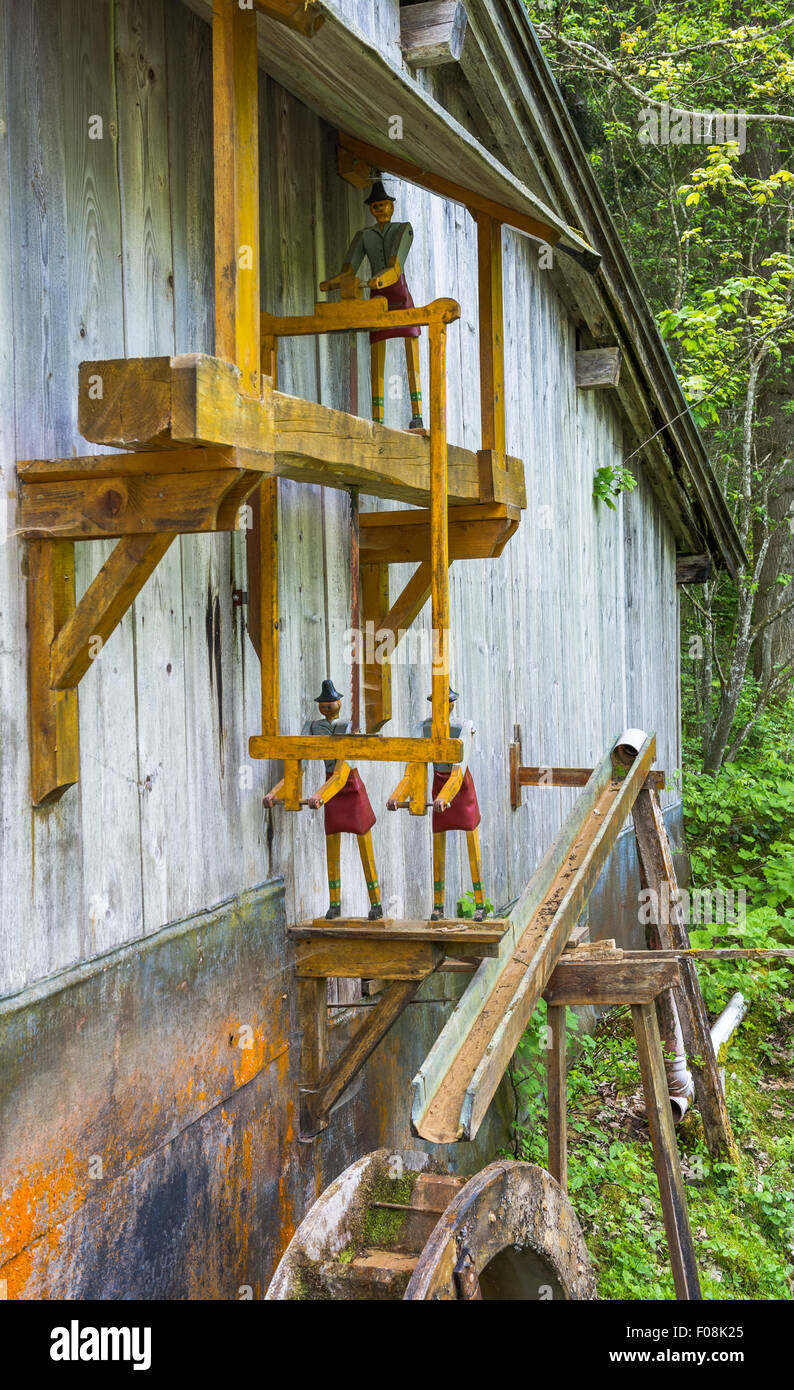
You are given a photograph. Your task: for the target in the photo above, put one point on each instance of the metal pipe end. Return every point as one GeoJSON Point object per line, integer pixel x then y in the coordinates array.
{"type": "Point", "coordinates": [628, 746]}
{"type": "Point", "coordinates": [679, 1106]}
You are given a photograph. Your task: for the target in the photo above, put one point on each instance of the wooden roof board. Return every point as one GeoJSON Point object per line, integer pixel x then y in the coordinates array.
{"type": "Point", "coordinates": [317, 70]}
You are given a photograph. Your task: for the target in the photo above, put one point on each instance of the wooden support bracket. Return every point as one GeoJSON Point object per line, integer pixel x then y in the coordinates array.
{"type": "Point", "coordinates": [543, 776]}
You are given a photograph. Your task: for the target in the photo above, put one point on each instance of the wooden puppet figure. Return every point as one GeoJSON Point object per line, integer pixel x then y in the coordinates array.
{"type": "Point", "coordinates": [454, 808]}
{"type": "Point", "coordinates": [386, 247]}
{"type": "Point", "coordinates": [347, 808]}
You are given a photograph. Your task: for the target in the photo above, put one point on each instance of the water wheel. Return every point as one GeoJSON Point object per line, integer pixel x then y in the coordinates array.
{"type": "Point", "coordinates": [395, 1226]}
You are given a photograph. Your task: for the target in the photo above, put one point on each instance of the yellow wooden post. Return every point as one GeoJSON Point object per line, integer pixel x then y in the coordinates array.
{"type": "Point", "coordinates": [492, 367]}
{"type": "Point", "coordinates": [439, 531]}
{"type": "Point", "coordinates": [236, 149]}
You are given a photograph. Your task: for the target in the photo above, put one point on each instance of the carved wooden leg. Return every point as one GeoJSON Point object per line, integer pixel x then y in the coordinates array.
{"type": "Point", "coordinates": [333, 849]}
{"type": "Point", "coordinates": [370, 874]}
{"type": "Point", "coordinates": [414, 382]}
{"type": "Point", "coordinates": [377, 359]}
{"type": "Point", "coordinates": [475, 864]}
{"type": "Point", "coordinates": [439, 861]}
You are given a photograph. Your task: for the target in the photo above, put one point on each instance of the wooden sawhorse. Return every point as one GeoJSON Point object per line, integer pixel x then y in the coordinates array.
{"type": "Point", "coordinates": [635, 978]}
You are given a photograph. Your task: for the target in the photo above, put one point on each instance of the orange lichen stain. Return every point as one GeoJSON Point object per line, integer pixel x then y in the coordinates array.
{"type": "Point", "coordinates": [31, 1211]}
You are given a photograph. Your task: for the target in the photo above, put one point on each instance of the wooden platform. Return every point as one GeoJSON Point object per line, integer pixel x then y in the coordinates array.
{"type": "Point", "coordinates": [448, 931]}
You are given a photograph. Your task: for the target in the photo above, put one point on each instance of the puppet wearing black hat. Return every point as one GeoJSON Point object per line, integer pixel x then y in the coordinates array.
{"type": "Point", "coordinates": [385, 245]}
{"type": "Point", "coordinates": [347, 808]}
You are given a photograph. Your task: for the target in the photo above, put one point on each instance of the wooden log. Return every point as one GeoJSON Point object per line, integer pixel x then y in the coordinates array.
{"type": "Point", "coordinates": [103, 605]}
{"type": "Point", "coordinates": [54, 731]}
{"type": "Point", "coordinates": [657, 873]}
{"type": "Point", "coordinates": [556, 1088]}
{"type": "Point", "coordinates": [458, 1079]}
{"type": "Point", "coordinates": [354, 959]}
{"type": "Point", "coordinates": [603, 983]}
{"type": "Point", "coordinates": [361, 747]}
{"type": "Point", "coordinates": [665, 1152]}
{"type": "Point", "coordinates": [316, 1101]}
{"type": "Point", "coordinates": [432, 32]}
{"type": "Point", "coordinates": [491, 322]}
{"type": "Point", "coordinates": [597, 367]}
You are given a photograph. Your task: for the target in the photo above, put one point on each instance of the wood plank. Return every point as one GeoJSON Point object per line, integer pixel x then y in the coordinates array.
{"type": "Point", "coordinates": [491, 318]}
{"type": "Point", "coordinates": [91, 467]}
{"type": "Point", "coordinates": [357, 315]}
{"type": "Point", "coordinates": [575, 777]}
{"type": "Point", "coordinates": [665, 1153]}
{"type": "Point", "coordinates": [54, 733]}
{"type": "Point", "coordinates": [316, 1102]}
{"type": "Point", "coordinates": [603, 983]}
{"type": "Point", "coordinates": [102, 607]}
{"type": "Point", "coordinates": [693, 569]}
{"type": "Point", "coordinates": [458, 1079]}
{"type": "Point", "coordinates": [556, 1089]}
{"type": "Point", "coordinates": [388, 960]}
{"type": "Point", "coordinates": [657, 873]}
{"type": "Point", "coordinates": [359, 747]}
{"type": "Point", "coordinates": [432, 32]}
{"type": "Point", "coordinates": [597, 368]}
{"type": "Point", "coordinates": [452, 930]}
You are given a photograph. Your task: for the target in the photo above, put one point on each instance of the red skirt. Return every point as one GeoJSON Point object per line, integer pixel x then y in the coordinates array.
{"type": "Point", "coordinates": [349, 812]}
{"type": "Point", "coordinates": [463, 812]}
{"type": "Point", "coordinates": [397, 296]}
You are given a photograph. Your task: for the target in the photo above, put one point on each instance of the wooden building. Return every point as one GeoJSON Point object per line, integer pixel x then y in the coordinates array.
{"type": "Point", "coordinates": [148, 1029]}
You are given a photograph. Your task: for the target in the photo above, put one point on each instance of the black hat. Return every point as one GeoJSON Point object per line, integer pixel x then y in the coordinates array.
{"type": "Point", "coordinates": [453, 695]}
{"type": "Point", "coordinates": [329, 694]}
{"type": "Point", "coordinates": [378, 194]}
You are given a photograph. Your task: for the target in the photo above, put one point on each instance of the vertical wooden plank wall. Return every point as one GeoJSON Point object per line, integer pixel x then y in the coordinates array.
{"type": "Point", "coordinates": [114, 254]}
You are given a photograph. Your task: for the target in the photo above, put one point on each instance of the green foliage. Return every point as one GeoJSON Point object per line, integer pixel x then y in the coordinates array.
{"type": "Point", "coordinates": [609, 482]}
{"type": "Point", "coordinates": [467, 906]}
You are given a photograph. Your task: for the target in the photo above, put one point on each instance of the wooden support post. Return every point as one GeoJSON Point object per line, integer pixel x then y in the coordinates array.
{"type": "Point", "coordinates": [492, 368]}
{"type": "Point", "coordinates": [235, 78]}
{"type": "Point", "coordinates": [103, 605]}
{"type": "Point", "coordinates": [665, 1152]}
{"type": "Point", "coordinates": [439, 531]}
{"type": "Point", "coordinates": [268, 621]}
{"type": "Point", "coordinates": [313, 1027]}
{"type": "Point", "coordinates": [316, 1101]}
{"type": "Point", "coordinates": [377, 673]}
{"type": "Point", "coordinates": [557, 1098]}
{"type": "Point", "coordinates": [54, 734]}
{"type": "Point", "coordinates": [657, 873]}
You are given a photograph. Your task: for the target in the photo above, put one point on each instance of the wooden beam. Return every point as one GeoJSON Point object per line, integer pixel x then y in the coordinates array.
{"type": "Point", "coordinates": [235, 124]}
{"type": "Point", "coordinates": [480, 532]}
{"type": "Point", "coordinates": [432, 32]}
{"type": "Point", "coordinates": [692, 569]}
{"type": "Point", "coordinates": [458, 1079]}
{"type": "Point", "coordinates": [108, 507]}
{"type": "Point", "coordinates": [439, 532]}
{"type": "Point", "coordinates": [316, 1101]}
{"type": "Point", "coordinates": [130, 464]}
{"type": "Point", "coordinates": [358, 747]}
{"type": "Point", "coordinates": [376, 676]}
{"type": "Point", "coordinates": [103, 605]}
{"type": "Point", "coordinates": [597, 368]}
{"type": "Point", "coordinates": [164, 402]}
{"type": "Point", "coordinates": [574, 777]}
{"type": "Point", "coordinates": [491, 319]}
{"type": "Point", "coordinates": [264, 619]}
{"type": "Point", "coordinates": [665, 1152]}
{"type": "Point", "coordinates": [389, 162]}
{"type": "Point", "coordinates": [657, 874]}
{"type": "Point", "coordinates": [556, 1089]}
{"type": "Point", "coordinates": [54, 732]}
{"type": "Point", "coordinates": [357, 316]}
{"type": "Point", "coordinates": [359, 959]}
{"type": "Point", "coordinates": [603, 983]}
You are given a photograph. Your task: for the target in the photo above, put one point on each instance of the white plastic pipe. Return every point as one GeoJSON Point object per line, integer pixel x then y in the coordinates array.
{"type": "Point", "coordinates": [728, 1021]}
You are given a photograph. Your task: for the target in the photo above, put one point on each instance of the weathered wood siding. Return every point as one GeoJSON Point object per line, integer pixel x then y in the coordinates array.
{"type": "Point", "coordinates": [106, 249]}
